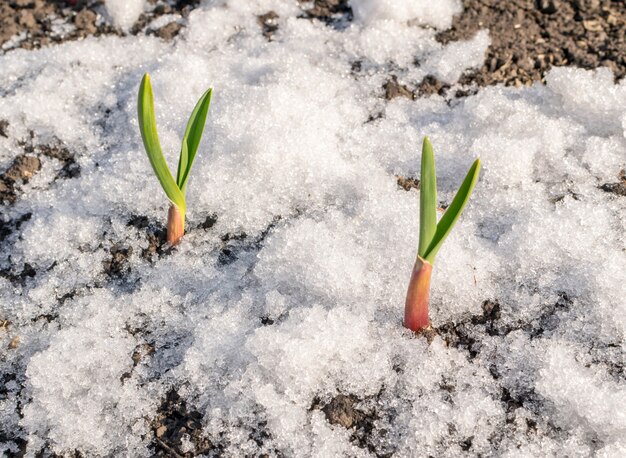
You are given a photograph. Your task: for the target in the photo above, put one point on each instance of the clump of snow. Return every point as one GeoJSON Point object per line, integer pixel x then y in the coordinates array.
{"type": "Point", "coordinates": [448, 63]}
{"type": "Point", "coordinates": [289, 285]}
{"type": "Point", "coordinates": [124, 13]}
{"type": "Point", "coordinates": [437, 14]}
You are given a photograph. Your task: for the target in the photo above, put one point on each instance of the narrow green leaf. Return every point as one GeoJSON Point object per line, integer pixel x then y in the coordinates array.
{"type": "Point", "coordinates": [454, 211]}
{"type": "Point", "coordinates": [147, 126]}
{"type": "Point", "coordinates": [428, 198]}
{"type": "Point", "coordinates": [191, 140]}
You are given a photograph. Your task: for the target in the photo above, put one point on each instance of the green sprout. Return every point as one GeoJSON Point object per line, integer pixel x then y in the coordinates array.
{"type": "Point", "coordinates": [174, 189]}
{"type": "Point", "coordinates": [432, 235]}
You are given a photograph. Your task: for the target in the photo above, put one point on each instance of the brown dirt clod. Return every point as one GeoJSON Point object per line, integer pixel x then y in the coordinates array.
{"type": "Point", "coordinates": [408, 183]}
{"type": "Point", "coordinates": [268, 23]}
{"type": "Point", "coordinates": [22, 169]}
{"type": "Point", "coordinates": [169, 31]}
{"type": "Point", "coordinates": [431, 85]}
{"type": "Point", "coordinates": [341, 411]}
{"type": "Point", "coordinates": [86, 20]}
{"type": "Point", "coordinates": [394, 89]}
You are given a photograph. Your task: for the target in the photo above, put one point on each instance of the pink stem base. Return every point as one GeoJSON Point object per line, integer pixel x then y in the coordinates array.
{"type": "Point", "coordinates": [418, 296]}
{"type": "Point", "coordinates": [175, 225]}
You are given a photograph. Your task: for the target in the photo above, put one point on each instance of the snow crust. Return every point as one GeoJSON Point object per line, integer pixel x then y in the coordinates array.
{"type": "Point", "coordinates": [295, 294]}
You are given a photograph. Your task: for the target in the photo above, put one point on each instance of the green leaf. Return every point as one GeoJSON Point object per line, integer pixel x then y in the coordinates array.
{"type": "Point", "coordinates": [453, 212]}
{"type": "Point", "coordinates": [147, 126]}
{"type": "Point", "coordinates": [428, 198]}
{"type": "Point", "coordinates": [191, 140]}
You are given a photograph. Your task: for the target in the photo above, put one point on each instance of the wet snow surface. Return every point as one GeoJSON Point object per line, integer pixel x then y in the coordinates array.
{"type": "Point", "coordinates": [275, 327]}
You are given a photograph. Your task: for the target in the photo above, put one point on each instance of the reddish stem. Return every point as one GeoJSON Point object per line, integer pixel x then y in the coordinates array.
{"type": "Point", "coordinates": [418, 296]}
{"type": "Point", "coordinates": [175, 225]}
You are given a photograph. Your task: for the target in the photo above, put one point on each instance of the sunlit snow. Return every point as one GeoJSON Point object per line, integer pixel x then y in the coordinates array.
{"type": "Point", "coordinates": [296, 293]}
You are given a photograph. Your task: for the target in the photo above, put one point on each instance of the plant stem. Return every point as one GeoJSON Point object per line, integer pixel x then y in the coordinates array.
{"type": "Point", "coordinates": [418, 296]}
{"type": "Point", "coordinates": [175, 225]}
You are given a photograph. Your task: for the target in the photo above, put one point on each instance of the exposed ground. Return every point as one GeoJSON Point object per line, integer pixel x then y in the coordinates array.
{"type": "Point", "coordinates": [528, 36]}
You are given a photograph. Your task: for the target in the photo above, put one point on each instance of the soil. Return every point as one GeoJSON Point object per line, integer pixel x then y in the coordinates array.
{"type": "Point", "coordinates": [27, 163]}
{"type": "Point", "coordinates": [155, 233]}
{"type": "Point", "coordinates": [394, 89]}
{"type": "Point", "coordinates": [117, 265]}
{"type": "Point", "coordinates": [4, 125]}
{"type": "Point", "coordinates": [332, 12]}
{"type": "Point", "coordinates": [408, 183]}
{"type": "Point", "coordinates": [618, 187]}
{"type": "Point", "coordinates": [21, 170]}
{"type": "Point", "coordinates": [174, 423]}
{"type": "Point", "coordinates": [468, 333]}
{"type": "Point", "coordinates": [36, 23]}
{"type": "Point", "coordinates": [528, 37]}
{"type": "Point", "coordinates": [342, 410]}
{"type": "Point", "coordinates": [431, 85]}
{"type": "Point", "coordinates": [269, 24]}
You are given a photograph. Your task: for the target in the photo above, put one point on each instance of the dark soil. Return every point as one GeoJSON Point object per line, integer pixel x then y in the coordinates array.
{"type": "Point", "coordinates": [7, 227]}
{"type": "Point", "coordinates": [18, 276]}
{"type": "Point", "coordinates": [155, 233]}
{"type": "Point", "coordinates": [4, 125]}
{"type": "Point", "coordinates": [237, 244]}
{"type": "Point", "coordinates": [20, 171]}
{"type": "Point", "coordinates": [468, 333]}
{"type": "Point", "coordinates": [528, 37]}
{"type": "Point", "coordinates": [57, 150]}
{"type": "Point", "coordinates": [342, 410]}
{"type": "Point", "coordinates": [269, 24]}
{"type": "Point", "coordinates": [209, 222]}
{"type": "Point", "coordinates": [431, 85]}
{"type": "Point", "coordinates": [29, 162]}
{"type": "Point", "coordinates": [408, 183]}
{"type": "Point", "coordinates": [34, 20]}
{"type": "Point", "coordinates": [332, 12]}
{"type": "Point", "coordinates": [118, 264]}
{"type": "Point", "coordinates": [618, 187]}
{"type": "Point", "coordinates": [174, 421]}
{"type": "Point", "coordinates": [169, 31]}
{"type": "Point", "coordinates": [394, 89]}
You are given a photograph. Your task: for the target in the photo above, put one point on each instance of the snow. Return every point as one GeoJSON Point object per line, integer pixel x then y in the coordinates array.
{"type": "Point", "coordinates": [296, 293]}
{"type": "Point", "coordinates": [449, 63]}
{"type": "Point", "coordinates": [436, 14]}
{"type": "Point", "coordinates": [124, 13]}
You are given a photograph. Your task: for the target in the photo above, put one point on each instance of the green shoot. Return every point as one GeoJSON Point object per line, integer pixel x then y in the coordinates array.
{"type": "Point", "coordinates": [428, 198]}
{"type": "Point", "coordinates": [432, 235]}
{"type": "Point", "coordinates": [450, 217]}
{"type": "Point", "coordinates": [191, 139]}
{"type": "Point", "coordinates": [175, 190]}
